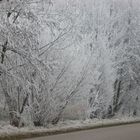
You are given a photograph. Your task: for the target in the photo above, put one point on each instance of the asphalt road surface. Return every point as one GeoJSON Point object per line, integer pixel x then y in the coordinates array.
{"type": "Point", "coordinates": [125, 132]}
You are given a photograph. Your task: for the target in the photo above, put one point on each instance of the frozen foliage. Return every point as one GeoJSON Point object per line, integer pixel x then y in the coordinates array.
{"type": "Point", "coordinates": [118, 81]}
{"type": "Point", "coordinates": [55, 54]}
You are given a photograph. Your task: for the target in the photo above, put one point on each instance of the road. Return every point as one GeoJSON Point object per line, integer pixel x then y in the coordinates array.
{"type": "Point", "coordinates": [125, 132]}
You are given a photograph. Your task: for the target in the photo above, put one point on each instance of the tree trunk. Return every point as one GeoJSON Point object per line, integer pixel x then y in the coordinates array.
{"type": "Point", "coordinates": [117, 89]}
{"type": "Point", "coordinates": [13, 115]}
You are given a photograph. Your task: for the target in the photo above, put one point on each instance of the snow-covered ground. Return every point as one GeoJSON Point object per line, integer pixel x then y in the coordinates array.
{"type": "Point", "coordinates": [6, 129]}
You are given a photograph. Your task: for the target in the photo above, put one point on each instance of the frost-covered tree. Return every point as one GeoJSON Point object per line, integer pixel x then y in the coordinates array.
{"type": "Point", "coordinates": [126, 85]}
{"type": "Point", "coordinates": [38, 42]}
{"type": "Point", "coordinates": [19, 40]}
{"type": "Point", "coordinates": [102, 91]}
{"type": "Point", "coordinates": [118, 31]}
{"type": "Point", "coordinates": [55, 52]}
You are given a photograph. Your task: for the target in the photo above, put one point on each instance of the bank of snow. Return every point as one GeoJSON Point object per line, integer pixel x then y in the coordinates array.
{"type": "Point", "coordinates": [7, 131]}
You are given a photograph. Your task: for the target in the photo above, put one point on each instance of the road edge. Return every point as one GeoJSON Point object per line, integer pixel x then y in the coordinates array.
{"type": "Point", "coordinates": [46, 132]}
